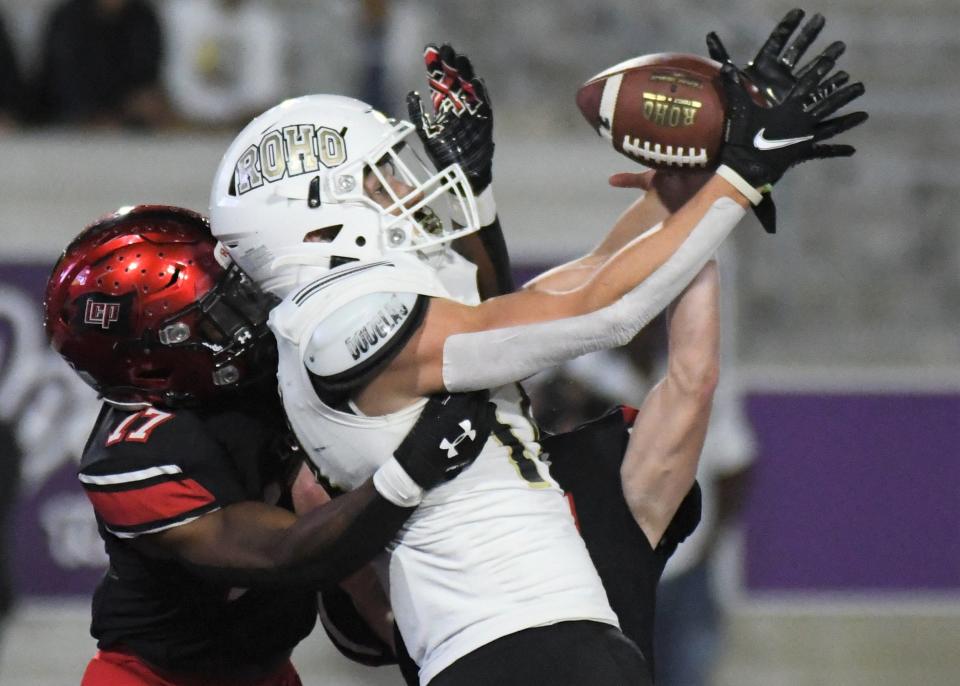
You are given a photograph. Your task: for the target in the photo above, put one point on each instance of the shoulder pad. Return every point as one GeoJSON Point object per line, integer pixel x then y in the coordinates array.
{"type": "Point", "coordinates": [357, 336]}
{"type": "Point", "coordinates": [296, 317]}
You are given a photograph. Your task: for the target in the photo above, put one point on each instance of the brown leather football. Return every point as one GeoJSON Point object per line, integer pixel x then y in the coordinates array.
{"type": "Point", "coordinates": [665, 111]}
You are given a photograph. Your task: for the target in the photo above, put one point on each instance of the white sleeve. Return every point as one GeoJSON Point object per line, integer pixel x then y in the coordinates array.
{"type": "Point", "coordinates": [488, 359]}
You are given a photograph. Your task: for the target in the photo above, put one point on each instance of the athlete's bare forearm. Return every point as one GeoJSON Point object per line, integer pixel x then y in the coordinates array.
{"type": "Point", "coordinates": [618, 268]}
{"type": "Point", "coordinates": [643, 255]}
{"type": "Point", "coordinates": [255, 544]}
{"type": "Point", "coordinates": [338, 538]}
{"type": "Point", "coordinates": [664, 449]}
{"type": "Point", "coordinates": [644, 213]}
{"type": "Point", "coordinates": [664, 192]}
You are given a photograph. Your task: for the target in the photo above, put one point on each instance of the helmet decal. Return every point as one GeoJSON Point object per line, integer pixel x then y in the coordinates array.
{"type": "Point", "coordinates": [101, 313]}
{"type": "Point", "coordinates": [287, 152]}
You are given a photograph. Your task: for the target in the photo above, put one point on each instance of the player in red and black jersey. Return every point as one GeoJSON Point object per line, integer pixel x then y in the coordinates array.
{"type": "Point", "coordinates": [153, 471]}
{"type": "Point", "coordinates": [190, 468]}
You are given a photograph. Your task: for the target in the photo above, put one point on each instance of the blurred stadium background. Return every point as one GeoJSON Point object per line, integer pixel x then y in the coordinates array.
{"type": "Point", "coordinates": [847, 321]}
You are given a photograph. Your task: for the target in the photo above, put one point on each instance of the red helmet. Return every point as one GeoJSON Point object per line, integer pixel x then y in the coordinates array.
{"type": "Point", "coordinates": [147, 308]}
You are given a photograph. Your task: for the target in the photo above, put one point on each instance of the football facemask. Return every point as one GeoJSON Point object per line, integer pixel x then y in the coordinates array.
{"type": "Point", "coordinates": [323, 180]}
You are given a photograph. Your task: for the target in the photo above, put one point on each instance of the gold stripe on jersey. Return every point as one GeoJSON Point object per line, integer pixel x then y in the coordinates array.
{"type": "Point", "coordinates": [526, 463]}
{"type": "Point", "coordinates": [526, 406]}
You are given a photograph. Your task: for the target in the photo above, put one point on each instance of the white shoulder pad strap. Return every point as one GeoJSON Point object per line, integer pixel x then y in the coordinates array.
{"type": "Point", "coordinates": [359, 332]}
{"type": "Point", "coordinates": [488, 359]}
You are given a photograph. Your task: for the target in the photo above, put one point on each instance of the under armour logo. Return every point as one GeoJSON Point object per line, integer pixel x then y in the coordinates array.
{"type": "Point", "coordinates": [451, 447]}
{"type": "Point", "coordinates": [103, 314]}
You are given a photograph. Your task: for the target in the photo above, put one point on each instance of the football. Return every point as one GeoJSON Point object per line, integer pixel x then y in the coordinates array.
{"type": "Point", "coordinates": [664, 111]}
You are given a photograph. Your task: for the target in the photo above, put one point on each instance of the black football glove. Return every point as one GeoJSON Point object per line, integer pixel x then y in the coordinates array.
{"type": "Point", "coordinates": [773, 72]}
{"type": "Point", "coordinates": [761, 143]}
{"type": "Point", "coordinates": [461, 127]}
{"type": "Point", "coordinates": [447, 437]}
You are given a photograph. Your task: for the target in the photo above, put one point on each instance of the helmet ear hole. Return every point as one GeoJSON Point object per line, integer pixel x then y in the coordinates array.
{"type": "Point", "coordinates": [327, 234]}
{"type": "Point", "coordinates": [361, 241]}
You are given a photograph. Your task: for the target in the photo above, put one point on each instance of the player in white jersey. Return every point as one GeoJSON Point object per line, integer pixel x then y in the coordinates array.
{"type": "Point", "coordinates": [318, 201]}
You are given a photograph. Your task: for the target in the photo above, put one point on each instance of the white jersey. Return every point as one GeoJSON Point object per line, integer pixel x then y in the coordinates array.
{"type": "Point", "coordinates": [490, 553]}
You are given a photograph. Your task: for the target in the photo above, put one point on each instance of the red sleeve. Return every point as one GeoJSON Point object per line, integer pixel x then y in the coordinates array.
{"type": "Point", "coordinates": [151, 470]}
{"type": "Point", "coordinates": [148, 500]}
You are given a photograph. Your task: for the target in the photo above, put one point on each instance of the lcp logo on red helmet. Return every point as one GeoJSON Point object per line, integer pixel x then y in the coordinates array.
{"type": "Point", "coordinates": [105, 312]}
{"type": "Point", "coordinates": [101, 313]}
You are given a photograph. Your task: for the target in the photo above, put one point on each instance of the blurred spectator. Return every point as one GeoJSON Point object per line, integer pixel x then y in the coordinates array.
{"type": "Point", "coordinates": [100, 65]}
{"type": "Point", "coordinates": [11, 84]}
{"type": "Point", "coordinates": [225, 59]}
{"type": "Point", "coordinates": [374, 18]}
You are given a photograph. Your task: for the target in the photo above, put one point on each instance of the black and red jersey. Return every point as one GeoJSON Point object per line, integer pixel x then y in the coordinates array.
{"type": "Point", "coordinates": [586, 463]}
{"type": "Point", "coordinates": [152, 469]}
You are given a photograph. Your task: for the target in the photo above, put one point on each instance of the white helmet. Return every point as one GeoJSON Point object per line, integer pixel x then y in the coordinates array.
{"type": "Point", "coordinates": [288, 197]}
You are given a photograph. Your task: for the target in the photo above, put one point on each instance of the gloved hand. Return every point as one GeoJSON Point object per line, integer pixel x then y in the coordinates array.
{"type": "Point", "coordinates": [773, 73]}
{"type": "Point", "coordinates": [761, 143]}
{"type": "Point", "coordinates": [447, 437]}
{"type": "Point", "coordinates": [461, 127]}
{"type": "Point", "coordinates": [775, 66]}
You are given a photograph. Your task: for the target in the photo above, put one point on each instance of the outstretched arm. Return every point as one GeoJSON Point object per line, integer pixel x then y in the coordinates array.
{"type": "Point", "coordinates": [509, 338]}
{"type": "Point", "coordinates": [664, 192]}
{"type": "Point", "coordinates": [255, 544]}
{"type": "Point", "coordinates": [664, 448]}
